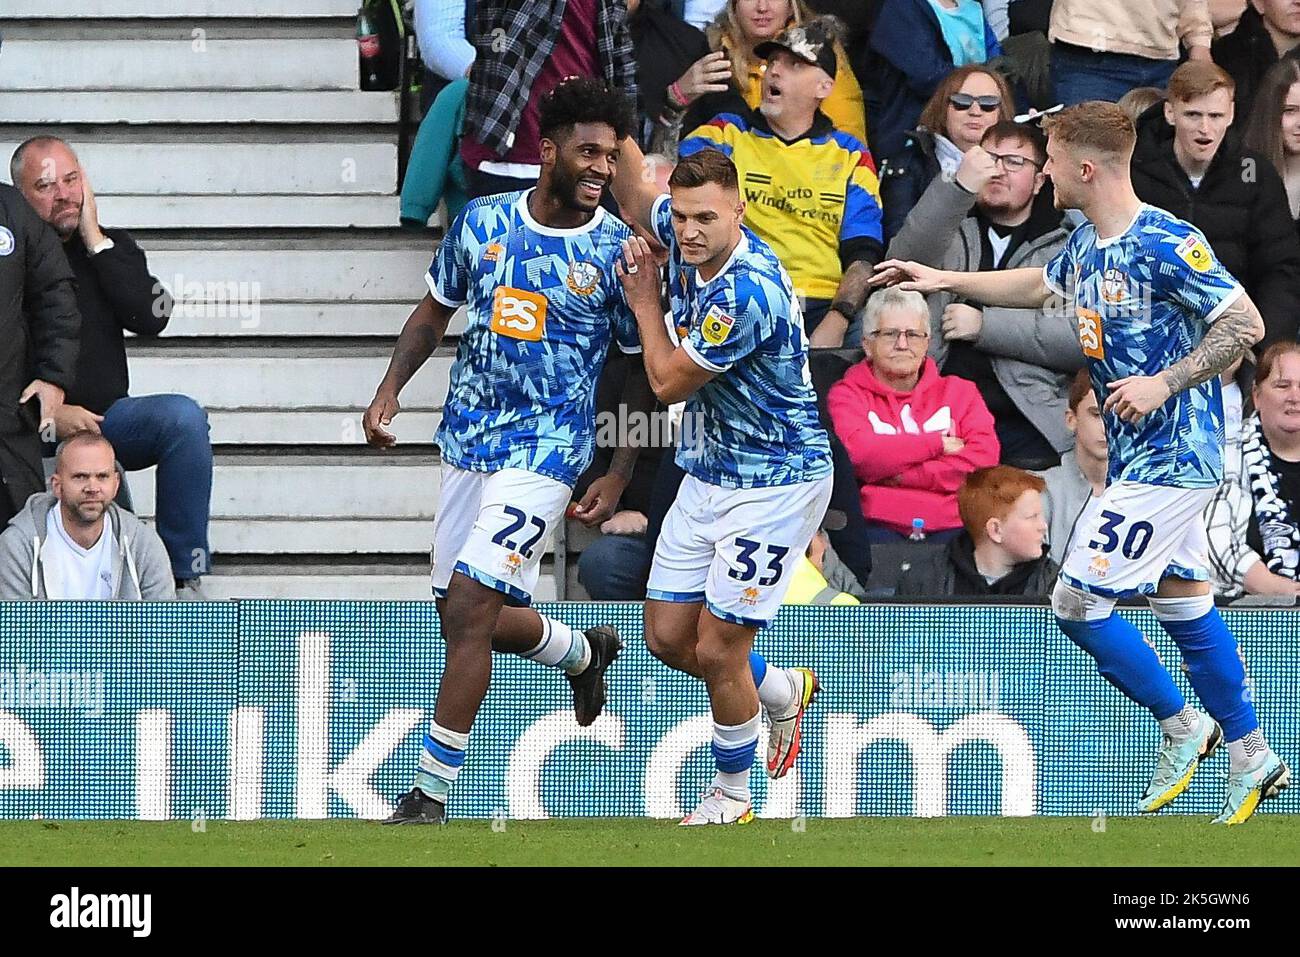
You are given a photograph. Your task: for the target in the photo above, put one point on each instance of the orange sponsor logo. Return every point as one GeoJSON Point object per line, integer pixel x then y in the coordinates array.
{"type": "Point", "coordinates": [518, 314]}
{"type": "Point", "coordinates": [1090, 333]}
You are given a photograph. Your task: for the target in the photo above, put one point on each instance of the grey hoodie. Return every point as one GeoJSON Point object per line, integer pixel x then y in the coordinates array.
{"type": "Point", "coordinates": [141, 569]}
{"type": "Point", "coordinates": [1033, 351]}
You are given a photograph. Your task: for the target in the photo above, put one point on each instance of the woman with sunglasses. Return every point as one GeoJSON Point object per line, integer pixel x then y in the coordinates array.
{"type": "Point", "coordinates": [916, 44]}
{"type": "Point", "coordinates": [966, 103]}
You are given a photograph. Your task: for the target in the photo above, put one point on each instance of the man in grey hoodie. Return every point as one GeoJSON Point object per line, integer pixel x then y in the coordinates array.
{"type": "Point", "coordinates": [997, 213]}
{"type": "Point", "coordinates": [76, 544]}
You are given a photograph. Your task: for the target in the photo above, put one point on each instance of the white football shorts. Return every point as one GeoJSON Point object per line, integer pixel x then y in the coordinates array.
{"type": "Point", "coordinates": [494, 527]}
{"type": "Point", "coordinates": [735, 549]}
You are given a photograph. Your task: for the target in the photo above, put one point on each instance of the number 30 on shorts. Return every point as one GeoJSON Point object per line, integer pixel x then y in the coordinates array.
{"type": "Point", "coordinates": [749, 568]}
{"type": "Point", "coordinates": [1135, 541]}
{"type": "Point", "coordinates": [518, 519]}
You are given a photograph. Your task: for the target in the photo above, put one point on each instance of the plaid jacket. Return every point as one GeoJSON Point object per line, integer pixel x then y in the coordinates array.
{"type": "Point", "coordinates": [513, 38]}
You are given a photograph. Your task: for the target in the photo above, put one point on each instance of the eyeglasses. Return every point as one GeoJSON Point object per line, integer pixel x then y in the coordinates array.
{"type": "Point", "coordinates": [964, 101]}
{"type": "Point", "coordinates": [1014, 162]}
{"type": "Point", "coordinates": [893, 335]}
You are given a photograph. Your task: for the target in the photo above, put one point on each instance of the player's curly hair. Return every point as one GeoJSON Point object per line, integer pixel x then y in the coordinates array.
{"type": "Point", "coordinates": [577, 100]}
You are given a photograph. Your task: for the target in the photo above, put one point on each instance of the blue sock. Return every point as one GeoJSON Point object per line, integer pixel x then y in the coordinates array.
{"type": "Point", "coordinates": [1125, 660]}
{"type": "Point", "coordinates": [758, 668]}
{"type": "Point", "coordinates": [1215, 669]}
{"type": "Point", "coordinates": [441, 759]}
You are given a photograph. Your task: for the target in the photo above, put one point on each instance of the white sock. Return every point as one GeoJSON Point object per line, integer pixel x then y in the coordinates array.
{"type": "Point", "coordinates": [1182, 726]}
{"type": "Point", "coordinates": [779, 692]}
{"type": "Point", "coordinates": [734, 748]}
{"type": "Point", "coordinates": [1248, 753]}
{"type": "Point", "coordinates": [561, 647]}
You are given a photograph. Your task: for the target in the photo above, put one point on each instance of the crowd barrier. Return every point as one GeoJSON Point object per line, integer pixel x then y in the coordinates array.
{"type": "Point", "coordinates": [309, 709]}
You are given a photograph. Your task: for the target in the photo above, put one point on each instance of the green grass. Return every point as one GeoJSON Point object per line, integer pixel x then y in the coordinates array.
{"type": "Point", "coordinates": [1175, 841]}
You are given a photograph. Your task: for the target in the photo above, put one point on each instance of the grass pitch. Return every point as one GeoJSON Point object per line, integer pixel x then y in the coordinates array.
{"type": "Point", "coordinates": [1159, 841]}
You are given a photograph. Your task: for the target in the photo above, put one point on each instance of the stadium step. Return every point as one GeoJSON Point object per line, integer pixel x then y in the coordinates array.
{"type": "Point", "coordinates": [141, 167]}
{"type": "Point", "coordinates": [335, 284]}
{"type": "Point", "coordinates": [37, 107]}
{"type": "Point", "coordinates": [176, 9]}
{"type": "Point", "coordinates": [191, 61]}
{"type": "Point", "coordinates": [252, 212]}
{"type": "Point", "coordinates": [314, 426]}
{"type": "Point", "coordinates": [340, 580]}
{"type": "Point", "coordinates": [281, 378]}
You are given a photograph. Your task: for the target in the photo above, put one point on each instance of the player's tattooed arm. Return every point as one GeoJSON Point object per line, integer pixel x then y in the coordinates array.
{"type": "Point", "coordinates": [634, 184]}
{"type": "Point", "coordinates": [1235, 331]}
{"type": "Point", "coordinates": [420, 335]}
{"type": "Point", "coordinates": [848, 302]}
{"type": "Point", "coordinates": [601, 500]}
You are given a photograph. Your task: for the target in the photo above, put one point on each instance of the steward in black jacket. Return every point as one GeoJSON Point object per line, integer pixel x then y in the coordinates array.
{"type": "Point", "coordinates": [40, 328]}
{"type": "Point", "coordinates": [1242, 208]}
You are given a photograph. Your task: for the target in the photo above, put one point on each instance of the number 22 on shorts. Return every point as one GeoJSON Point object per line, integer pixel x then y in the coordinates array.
{"type": "Point", "coordinates": [518, 314]}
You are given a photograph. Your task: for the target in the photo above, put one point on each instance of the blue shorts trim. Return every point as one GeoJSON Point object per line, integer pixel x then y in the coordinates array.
{"type": "Point", "coordinates": [1188, 574]}
{"type": "Point", "coordinates": [735, 619]}
{"type": "Point", "coordinates": [678, 597]}
{"type": "Point", "coordinates": [1146, 588]}
{"type": "Point", "coordinates": [483, 578]}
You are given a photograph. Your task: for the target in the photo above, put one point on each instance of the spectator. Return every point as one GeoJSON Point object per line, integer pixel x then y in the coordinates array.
{"type": "Point", "coordinates": [1190, 162]}
{"type": "Point", "coordinates": [810, 190]}
{"type": "Point", "coordinates": [1101, 49]}
{"type": "Point", "coordinates": [1271, 473]}
{"type": "Point", "coordinates": [616, 565]}
{"type": "Point", "coordinates": [1000, 549]}
{"type": "Point", "coordinates": [738, 31]}
{"type": "Point", "coordinates": [445, 50]}
{"type": "Point", "coordinates": [963, 107]}
{"type": "Point", "coordinates": [1274, 127]}
{"type": "Point", "coordinates": [1140, 99]}
{"type": "Point", "coordinates": [1226, 14]}
{"type": "Point", "coordinates": [995, 214]}
{"type": "Point", "coordinates": [76, 543]}
{"type": "Point", "coordinates": [116, 294]}
{"type": "Point", "coordinates": [1228, 516]}
{"type": "Point", "coordinates": [674, 67]}
{"type": "Point", "coordinates": [1267, 31]}
{"type": "Point", "coordinates": [435, 172]}
{"type": "Point", "coordinates": [917, 43]}
{"type": "Point", "coordinates": [1081, 477]}
{"type": "Point", "coordinates": [40, 324]}
{"type": "Point", "coordinates": [524, 49]}
{"type": "Point", "coordinates": [811, 583]}
{"type": "Point", "coordinates": [911, 434]}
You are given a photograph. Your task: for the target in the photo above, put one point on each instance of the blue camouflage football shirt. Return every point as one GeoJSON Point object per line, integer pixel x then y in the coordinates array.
{"type": "Point", "coordinates": [542, 306]}
{"type": "Point", "coordinates": [755, 424]}
{"type": "Point", "coordinates": [1143, 301]}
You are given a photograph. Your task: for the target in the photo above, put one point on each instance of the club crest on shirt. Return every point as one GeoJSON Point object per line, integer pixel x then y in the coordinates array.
{"type": "Point", "coordinates": [716, 326]}
{"type": "Point", "coordinates": [1114, 285]}
{"type": "Point", "coordinates": [6, 241]}
{"type": "Point", "coordinates": [1193, 252]}
{"type": "Point", "coordinates": [492, 252]}
{"type": "Point", "coordinates": [583, 278]}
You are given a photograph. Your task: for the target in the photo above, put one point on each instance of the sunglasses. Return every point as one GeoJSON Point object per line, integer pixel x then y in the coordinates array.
{"type": "Point", "coordinates": [964, 101]}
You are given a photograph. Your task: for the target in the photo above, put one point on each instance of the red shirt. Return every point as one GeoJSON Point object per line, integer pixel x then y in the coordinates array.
{"type": "Point", "coordinates": [574, 54]}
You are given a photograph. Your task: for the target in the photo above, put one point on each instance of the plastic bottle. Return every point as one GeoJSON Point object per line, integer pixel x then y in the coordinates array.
{"type": "Point", "coordinates": [918, 530]}
{"type": "Point", "coordinates": [368, 47]}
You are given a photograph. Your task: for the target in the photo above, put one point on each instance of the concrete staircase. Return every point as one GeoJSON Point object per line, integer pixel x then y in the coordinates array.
{"type": "Point", "coordinates": [231, 137]}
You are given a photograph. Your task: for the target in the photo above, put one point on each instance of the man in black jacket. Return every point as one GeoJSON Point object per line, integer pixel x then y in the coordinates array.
{"type": "Point", "coordinates": [1189, 162]}
{"type": "Point", "coordinates": [1268, 29]}
{"type": "Point", "coordinates": [116, 293]}
{"type": "Point", "coordinates": [39, 326]}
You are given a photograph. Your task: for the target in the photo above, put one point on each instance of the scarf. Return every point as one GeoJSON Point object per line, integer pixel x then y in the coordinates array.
{"type": "Point", "coordinates": [1277, 526]}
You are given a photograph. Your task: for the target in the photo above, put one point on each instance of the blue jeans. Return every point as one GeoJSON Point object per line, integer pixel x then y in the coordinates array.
{"type": "Point", "coordinates": [616, 567]}
{"type": "Point", "coordinates": [1079, 74]}
{"type": "Point", "coordinates": [171, 432]}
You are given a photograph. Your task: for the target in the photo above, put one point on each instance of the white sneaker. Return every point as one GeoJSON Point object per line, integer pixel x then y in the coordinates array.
{"type": "Point", "coordinates": [718, 807]}
{"type": "Point", "coordinates": [785, 735]}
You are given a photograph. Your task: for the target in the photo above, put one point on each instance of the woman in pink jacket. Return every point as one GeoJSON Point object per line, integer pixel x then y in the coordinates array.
{"type": "Point", "coordinates": [912, 434]}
